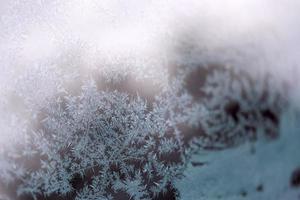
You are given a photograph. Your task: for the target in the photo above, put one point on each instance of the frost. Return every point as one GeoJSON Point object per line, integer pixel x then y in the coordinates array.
{"type": "Point", "coordinates": [104, 143]}
{"type": "Point", "coordinates": [113, 100]}
{"type": "Point", "coordinates": [239, 174]}
{"type": "Point", "coordinates": [109, 133]}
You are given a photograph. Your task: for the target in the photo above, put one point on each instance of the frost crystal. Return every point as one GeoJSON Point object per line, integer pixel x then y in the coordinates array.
{"type": "Point", "coordinates": [107, 144]}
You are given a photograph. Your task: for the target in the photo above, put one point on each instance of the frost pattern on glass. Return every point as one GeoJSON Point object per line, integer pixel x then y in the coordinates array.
{"type": "Point", "coordinates": [105, 143]}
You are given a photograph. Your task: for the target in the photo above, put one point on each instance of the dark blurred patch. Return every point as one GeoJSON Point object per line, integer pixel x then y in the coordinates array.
{"type": "Point", "coordinates": [269, 114]}
{"type": "Point", "coordinates": [244, 193]}
{"type": "Point", "coordinates": [120, 195]}
{"type": "Point", "coordinates": [195, 80]}
{"type": "Point", "coordinates": [232, 109]}
{"type": "Point", "coordinates": [260, 188]}
{"type": "Point", "coordinates": [198, 164]}
{"type": "Point", "coordinates": [77, 182]}
{"type": "Point", "coordinates": [295, 178]}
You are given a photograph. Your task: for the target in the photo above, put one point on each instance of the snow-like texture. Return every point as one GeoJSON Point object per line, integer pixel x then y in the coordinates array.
{"type": "Point", "coordinates": [110, 144]}
{"type": "Point", "coordinates": [148, 100]}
